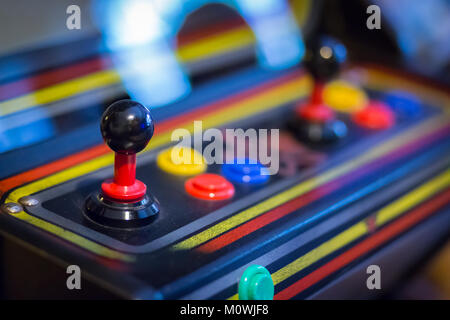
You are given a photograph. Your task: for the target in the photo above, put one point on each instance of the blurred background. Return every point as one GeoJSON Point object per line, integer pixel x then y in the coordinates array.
{"type": "Point", "coordinates": [416, 32]}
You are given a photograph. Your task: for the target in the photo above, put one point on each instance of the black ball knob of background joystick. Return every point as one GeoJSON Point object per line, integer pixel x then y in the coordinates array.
{"type": "Point", "coordinates": [127, 126]}
{"type": "Point", "coordinates": [324, 57]}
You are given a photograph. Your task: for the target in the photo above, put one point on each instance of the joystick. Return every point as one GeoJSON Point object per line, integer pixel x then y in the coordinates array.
{"type": "Point", "coordinates": [127, 127]}
{"type": "Point", "coordinates": [315, 121]}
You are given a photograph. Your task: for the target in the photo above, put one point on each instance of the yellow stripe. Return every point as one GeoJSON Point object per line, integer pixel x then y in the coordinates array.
{"type": "Point", "coordinates": [384, 215]}
{"type": "Point", "coordinates": [207, 47]}
{"type": "Point", "coordinates": [74, 238]}
{"type": "Point", "coordinates": [283, 94]}
{"type": "Point", "coordinates": [320, 252]}
{"type": "Point", "coordinates": [75, 171]}
{"type": "Point", "coordinates": [380, 81]}
{"type": "Point", "coordinates": [418, 195]}
{"type": "Point", "coordinates": [60, 91]}
{"type": "Point", "coordinates": [315, 255]}
{"type": "Point", "coordinates": [275, 97]}
{"type": "Point", "coordinates": [301, 10]}
{"type": "Point", "coordinates": [222, 43]}
{"type": "Point", "coordinates": [307, 186]}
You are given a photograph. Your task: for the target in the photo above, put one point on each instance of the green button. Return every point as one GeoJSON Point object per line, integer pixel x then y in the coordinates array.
{"type": "Point", "coordinates": [256, 284]}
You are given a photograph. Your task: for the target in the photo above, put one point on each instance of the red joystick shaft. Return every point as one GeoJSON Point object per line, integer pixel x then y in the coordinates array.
{"type": "Point", "coordinates": [124, 169]}
{"type": "Point", "coordinates": [316, 110]}
{"type": "Point", "coordinates": [124, 186]}
{"type": "Point", "coordinates": [317, 93]}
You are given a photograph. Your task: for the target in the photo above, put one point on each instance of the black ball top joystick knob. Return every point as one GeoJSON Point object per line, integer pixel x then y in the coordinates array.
{"type": "Point", "coordinates": [127, 126]}
{"type": "Point", "coordinates": [324, 57]}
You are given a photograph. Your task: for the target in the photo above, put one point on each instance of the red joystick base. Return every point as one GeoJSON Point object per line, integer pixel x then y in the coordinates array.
{"type": "Point", "coordinates": [124, 186]}
{"type": "Point", "coordinates": [315, 113]}
{"type": "Point", "coordinates": [124, 193]}
{"type": "Point", "coordinates": [315, 110]}
{"type": "Point", "coordinates": [123, 201]}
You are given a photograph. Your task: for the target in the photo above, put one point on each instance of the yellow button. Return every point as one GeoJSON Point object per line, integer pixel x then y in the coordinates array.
{"type": "Point", "coordinates": [344, 96]}
{"type": "Point", "coordinates": [181, 161]}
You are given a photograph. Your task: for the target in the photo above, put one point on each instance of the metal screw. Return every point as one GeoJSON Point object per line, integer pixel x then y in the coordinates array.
{"type": "Point", "coordinates": [29, 201]}
{"type": "Point", "coordinates": [11, 208]}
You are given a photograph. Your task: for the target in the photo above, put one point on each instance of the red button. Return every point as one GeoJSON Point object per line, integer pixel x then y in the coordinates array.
{"type": "Point", "coordinates": [376, 115]}
{"type": "Point", "coordinates": [209, 186]}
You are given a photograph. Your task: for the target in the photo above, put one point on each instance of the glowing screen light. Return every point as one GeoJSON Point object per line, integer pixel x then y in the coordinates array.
{"type": "Point", "coordinates": [279, 42]}
{"type": "Point", "coordinates": [137, 36]}
{"type": "Point", "coordinates": [139, 33]}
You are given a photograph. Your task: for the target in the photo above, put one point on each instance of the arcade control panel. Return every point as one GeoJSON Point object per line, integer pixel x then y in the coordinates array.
{"type": "Point", "coordinates": [361, 177]}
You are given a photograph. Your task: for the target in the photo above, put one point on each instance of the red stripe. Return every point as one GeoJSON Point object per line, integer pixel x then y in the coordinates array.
{"type": "Point", "coordinates": [49, 78]}
{"type": "Point", "coordinates": [266, 218]}
{"type": "Point", "coordinates": [190, 36]}
{"type": "Point", "coordinates": [403, 223]}
{"type": "Point", "coordinates": [301, 201]}
{"type": "Point", "coordinates": [202, 112]}
{"type": "Point", "coordinates": [402, 73]}
{"type": "Point", "coordinates": [45, 79]}
{"type": "Point", "coordinates": [52, 167]}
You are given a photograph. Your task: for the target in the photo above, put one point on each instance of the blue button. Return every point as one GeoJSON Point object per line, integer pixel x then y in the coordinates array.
{"type": "Point", "coordinates": [245, 171]}
{"type": "Point", "coordinates": [404, 104]}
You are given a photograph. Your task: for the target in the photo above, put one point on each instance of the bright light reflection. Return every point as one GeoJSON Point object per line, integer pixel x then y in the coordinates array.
{"type": "Point", "coordinates": [139, 32]}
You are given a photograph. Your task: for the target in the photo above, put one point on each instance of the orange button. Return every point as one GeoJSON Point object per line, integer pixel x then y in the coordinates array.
{"type": "Point", "coordinates": [376, 115]}
{"type": "Point", "coordinates": [209, 186]}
